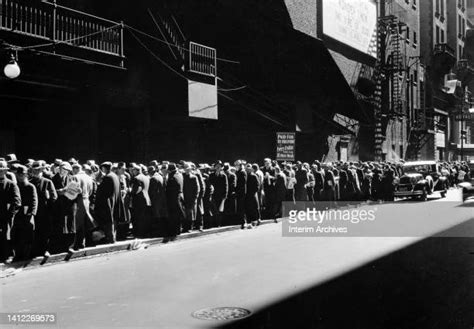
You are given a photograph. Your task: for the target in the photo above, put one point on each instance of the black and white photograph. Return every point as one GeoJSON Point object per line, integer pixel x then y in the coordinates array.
{"type": "Point", "coordinates": [237, 164]}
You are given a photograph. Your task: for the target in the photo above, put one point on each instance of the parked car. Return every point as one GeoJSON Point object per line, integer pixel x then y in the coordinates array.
{"type": "Point", "coordinates": [467, 187]}
{"type": "Point", "coordinates": [471, 169]}
{"type": "Point", "coordinates": [420, 179]}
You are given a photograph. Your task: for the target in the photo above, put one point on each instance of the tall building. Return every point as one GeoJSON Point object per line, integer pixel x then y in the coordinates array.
{"type": "Point", "coordinates": [400, 22]}
{"type": "Point", "coordinates": [349, 31]}
{"type": "Point", "coordinates": [202, 80]}
{"type": "Point", "coordinates": [443, 24]}
{"type": "Point", "coordinates": [394, 67]}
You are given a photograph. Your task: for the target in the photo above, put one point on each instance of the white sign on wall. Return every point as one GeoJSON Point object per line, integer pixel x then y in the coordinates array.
{"type": "Point", "coordinates": [440, 140]}
{"type": "Point", "coordinates": [202, 99]}
{"type": "Point", "coordinates": [352, 22]}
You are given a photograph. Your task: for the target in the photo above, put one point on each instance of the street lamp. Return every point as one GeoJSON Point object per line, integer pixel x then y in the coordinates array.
{"type": "Point", "coordinates": [12, 70]}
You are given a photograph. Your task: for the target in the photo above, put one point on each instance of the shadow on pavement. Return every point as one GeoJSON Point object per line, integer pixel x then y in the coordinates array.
{"type": "Point", "coordinates": [427, 285]}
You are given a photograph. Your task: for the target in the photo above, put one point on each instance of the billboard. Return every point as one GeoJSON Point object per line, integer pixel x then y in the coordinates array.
{"type": "Point", "coordinates": [352, 22]}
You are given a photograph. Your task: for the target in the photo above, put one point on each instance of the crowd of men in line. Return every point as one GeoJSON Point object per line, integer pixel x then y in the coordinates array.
{"type": "Point", "coordinates": [66, 206]}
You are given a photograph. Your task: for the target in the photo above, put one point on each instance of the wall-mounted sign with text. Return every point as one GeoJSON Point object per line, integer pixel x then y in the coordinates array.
{"type": "Point", "coordinates": [286, 142]}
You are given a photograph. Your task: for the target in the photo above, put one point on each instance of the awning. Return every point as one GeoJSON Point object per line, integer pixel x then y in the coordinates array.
{"type": "Point", "coordinates": [302, 65]}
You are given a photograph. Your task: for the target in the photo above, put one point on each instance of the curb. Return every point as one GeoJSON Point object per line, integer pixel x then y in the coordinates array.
{"type": "Point", "coordinates": [121, 246]}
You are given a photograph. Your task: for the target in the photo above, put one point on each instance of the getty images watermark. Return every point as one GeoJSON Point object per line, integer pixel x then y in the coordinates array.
{"type": "Point", "coordinates": [323, 218]}
{"type": "Point", "coordinates": [410, 219]}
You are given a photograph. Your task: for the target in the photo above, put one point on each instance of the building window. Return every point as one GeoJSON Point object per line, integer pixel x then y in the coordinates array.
{"type": "Point", "coordinates": [442, 36]}
{"type": "Point", "coordinates": [415, 77]}
{"type": "Point", "coordinates": [414, 4]}
{"type": "Point", "coordinates": [437, 6]}
{"type": "Point", "coordinates": [459, 26]}
{"type": "Point", "coordinates": [407, 34]}
{"type": "Point", "coordinates": [442, 8]}
{"type": "Point", "coordinates": [437, 34]}
{"type": "Point", "coordinates": [415, 39]}
{"type": "Point", "coordinates": [460, 52]}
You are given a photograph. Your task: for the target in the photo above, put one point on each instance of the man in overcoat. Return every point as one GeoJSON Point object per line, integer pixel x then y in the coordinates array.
{"type": "Point", "coordinates": [221, 187]}
{"type": "Point", "coordinates": [47, 196]}
{"type": "Point", "coordinates": [191, 192]}
{"type": "Point", "coordinates": [157, 194]}
{"type": "Point", "coordinates": [10, 202]}
{"type": "Point", "coordinates": [175, 202]}
{"type": "Point", "coordinates": [24, 223]}
{"type": "Point", "coordinates": [108, 203]}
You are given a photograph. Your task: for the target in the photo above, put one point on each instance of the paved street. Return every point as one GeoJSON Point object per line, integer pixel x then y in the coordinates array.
{"type": "Point", "coordinates": [360, 282]}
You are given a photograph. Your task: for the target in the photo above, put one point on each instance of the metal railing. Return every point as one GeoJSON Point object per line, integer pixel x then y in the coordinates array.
{"type": "Point", "coordinates": [61, 25]}
{"type": "Point", "coordinates": [202, 59]}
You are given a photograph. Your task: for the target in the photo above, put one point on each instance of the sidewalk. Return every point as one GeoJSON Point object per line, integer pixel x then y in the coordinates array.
{"type": "Point", "coordinates": [121, 246]}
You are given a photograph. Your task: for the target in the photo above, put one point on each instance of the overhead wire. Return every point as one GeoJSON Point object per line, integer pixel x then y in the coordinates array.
{"type": "Point", "coordinates": [172, 44]}
{"type": "Point", "coordinates": [184, 77]}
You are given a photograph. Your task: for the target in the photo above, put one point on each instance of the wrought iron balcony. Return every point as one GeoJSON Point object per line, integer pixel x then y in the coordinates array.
{"type": "Point", "coordinates": [444, 58]}
{"type": "Point", "coordinates": [444, 49]}
{"type": "Point", "coordinates": [48, 22]}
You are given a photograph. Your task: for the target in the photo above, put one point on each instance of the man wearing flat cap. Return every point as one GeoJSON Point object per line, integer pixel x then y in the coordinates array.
{"type": "Point", "coordinates": [44, 220]}
{"type": "Point", "coordinates": [108, 202]}
{"type": "Point", "coordinates": [24, 222]}
{"type": "Point", "coordinates": [10, 202]}
{"type": "Point", "coordinates": [64, 224]}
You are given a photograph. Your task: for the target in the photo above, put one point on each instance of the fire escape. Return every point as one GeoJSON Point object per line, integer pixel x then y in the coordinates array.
{"type": "Point", "coordinates": [389, 76]}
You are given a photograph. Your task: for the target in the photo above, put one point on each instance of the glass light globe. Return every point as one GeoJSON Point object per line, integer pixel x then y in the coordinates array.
{"type": "Point", "coordinates": [12, 70]}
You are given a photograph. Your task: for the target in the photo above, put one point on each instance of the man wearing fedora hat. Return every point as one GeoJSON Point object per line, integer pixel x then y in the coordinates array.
{"type": "Point", "coordinates": [108, 202]}
{"type": "Point", "coordinates": [43, 221]}
{"type": "Point", "coordinates": [11, 159]}
{"type": "Point", "coordinates": [140, 203]}
{"type": "Point", "coordinates": [64, 223]}
{"type": "Point", "coordinates": [175, 202]}
{"type": "Point", "coordinates": [158, 199]}
{"type": "Point", "coordinates": [221, 187]}
{"type": "Point", "coordinates": [199, 223]}
{"type": "Point", "coordinates": [24, 222]}
{"type": "Point", "coordinates": [10, 202]}
{"type": "Point", "coordinates": [208, 191]}
{"type": "Point", "coordinates": [85, 223]}
{"type": "Point", "coordinates": [191, 192]}
{"type": "Point", "coordinates": [240, 191]}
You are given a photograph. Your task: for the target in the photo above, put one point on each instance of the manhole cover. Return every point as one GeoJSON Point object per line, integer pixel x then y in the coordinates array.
{"type": "Point", "coordinates": [221, 313]}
